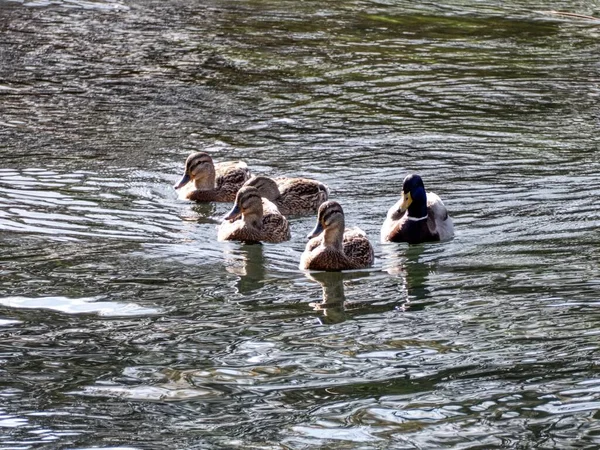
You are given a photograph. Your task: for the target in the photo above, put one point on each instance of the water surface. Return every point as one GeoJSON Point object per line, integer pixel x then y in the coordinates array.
{"type": "Point", "coordinates": [124, 324]}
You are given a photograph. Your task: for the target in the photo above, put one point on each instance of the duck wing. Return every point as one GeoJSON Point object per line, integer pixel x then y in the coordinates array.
{"type": "Point", "coordinates": [275, 228]}
{"type": "Point", "coordinates": [230, 176]}
{"type": "Point", "coordinates": [438, 219]}
{"type": "Point", "coordinates": [231, 173]}
{"type": "Point", "coordinates": [357, 247]}
{"type": "Point", "coordinates": [302, 195]}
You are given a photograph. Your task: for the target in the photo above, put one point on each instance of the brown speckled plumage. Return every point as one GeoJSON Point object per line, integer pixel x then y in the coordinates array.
{"type": "Point", "coordinates": [292, 196]}
{"type": "Point", "coordinates": [255, 225]}
{"type": "Point", "coordinates": [336, 247]}
{"type": "Point", "coordinates": [209, 182]}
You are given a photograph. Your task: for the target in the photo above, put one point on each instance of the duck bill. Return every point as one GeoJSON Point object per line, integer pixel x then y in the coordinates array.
{"type": "Point", "coordinates": [184, 180]}
{"type": "Point", "coordinates": [316, 231]}
{"type": "Point", "coordinates": [406, 202]}
{"type": "Point", "coordinates": [234, 213]}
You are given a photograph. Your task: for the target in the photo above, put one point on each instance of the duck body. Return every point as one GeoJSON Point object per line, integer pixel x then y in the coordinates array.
{"type": "Point", "coordinates": [204, 181]}
{"type": "Point", "coordinates": [292, 196]}
{"type": "Point", "coordinates": [356, 253]}
{"type": "Point", "coordinates": [417, 217]}
{"type": "Point", "coordinates": [334, 247]}
{"type": "Point", "coordinates": [256, 224]}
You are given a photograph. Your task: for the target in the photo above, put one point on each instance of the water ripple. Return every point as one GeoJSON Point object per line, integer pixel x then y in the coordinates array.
{"type": "Point", "coordinates": [121, 312]}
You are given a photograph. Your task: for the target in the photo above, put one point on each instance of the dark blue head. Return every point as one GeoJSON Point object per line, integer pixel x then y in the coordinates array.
{"type": "Point", "coordinates": [414, 197]}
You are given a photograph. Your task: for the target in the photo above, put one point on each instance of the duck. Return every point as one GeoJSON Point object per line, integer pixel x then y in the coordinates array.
{"type": "Point", "coordinates": [292, 196]}
{"type": "Point", "coordinates": [331, 246]}
{"type": "Point", "coordinates": [204, 181]}
{"type": "Point", "coordinates": [419, 216]}
{"type": "Point", "coordinates": [257, 224]}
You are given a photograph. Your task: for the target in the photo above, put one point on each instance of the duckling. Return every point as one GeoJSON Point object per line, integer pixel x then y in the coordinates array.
{"type": "Point", "coordinates": [256, 225]}
{"type": "Point", "coordinates": [292, 196]}
{"type": "Point", "coordinates": [208, 182]}
{"type": "Point", "coordinates": [337, 248]}
{"type": "Point", "coordinates": [418, 216]}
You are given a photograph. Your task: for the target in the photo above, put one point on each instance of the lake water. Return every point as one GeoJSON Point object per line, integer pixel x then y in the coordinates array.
{"type": "Point", "coordinates": [125, 324]}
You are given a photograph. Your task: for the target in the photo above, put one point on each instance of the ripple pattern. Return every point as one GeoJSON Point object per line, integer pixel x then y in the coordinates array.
{"type": "Point", "coordinates": [126, 325]}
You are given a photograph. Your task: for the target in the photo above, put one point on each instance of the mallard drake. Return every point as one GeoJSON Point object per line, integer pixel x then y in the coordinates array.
{"type": "Point", "coordinates": [255, 225]}
{"type": "Point", "coordinates": [292, 196]}
{"type": "Point", "coordinates": [334, 247]}
{"type": "Point", "coordinates": [418, 216]}
{"type": "Point", "coordinates": [204, 181]}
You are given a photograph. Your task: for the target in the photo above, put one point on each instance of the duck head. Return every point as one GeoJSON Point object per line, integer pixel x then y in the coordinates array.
{"type": "Point", "coordinates": [414, 197]}
{"type": "Point", "coordinates": [267, 187]}
{"type": "Point", "coordinates": [200, 169]}
{"type": "Point", "coordinates": [249, 204]}
{"type": "Point", "coordinates": [330, 220]}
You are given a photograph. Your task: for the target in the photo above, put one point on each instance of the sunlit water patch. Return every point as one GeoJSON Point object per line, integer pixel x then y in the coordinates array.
{"type": "Point", "coordinates": [78, 306]}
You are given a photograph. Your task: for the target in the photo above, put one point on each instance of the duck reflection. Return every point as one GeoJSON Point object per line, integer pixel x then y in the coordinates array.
{"type": "Point", "coordinates": [334, 299]}
{"type": "Point", "coordinates": [205, 212]}
{"type": "Point", "coordinates": [336, 308]}
{"type": "Point", "coordinates": [248, 262]}
{"type": "Point", "coordinates": [406, 263]}
{"type": "Point", "coordinates": [200, 213]}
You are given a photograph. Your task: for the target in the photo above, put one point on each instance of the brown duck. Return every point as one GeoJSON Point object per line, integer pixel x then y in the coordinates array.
{"type": "Point", "coordinates": [334, 247]}
{"type": "Point", "coordinates": [256, 224]}
{"type": "Point", "coordinates": [292, 196]}
{"type": "Point", "coordinates": [204, 181]}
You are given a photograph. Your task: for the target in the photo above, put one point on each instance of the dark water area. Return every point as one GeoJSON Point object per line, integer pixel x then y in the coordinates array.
{"type": "Point", "coordinates": [125, 324]}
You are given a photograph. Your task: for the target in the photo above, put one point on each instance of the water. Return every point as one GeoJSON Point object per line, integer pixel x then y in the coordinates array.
{"type": "Point", "coordinates": [124, 324]}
